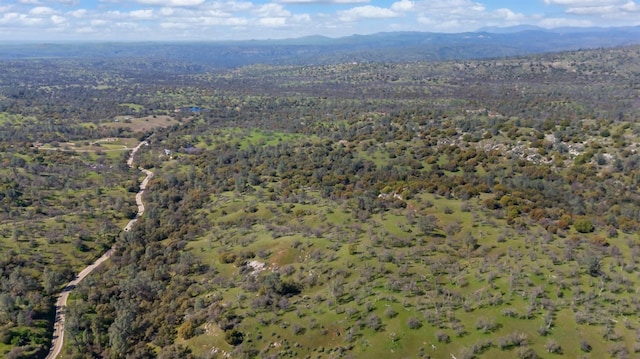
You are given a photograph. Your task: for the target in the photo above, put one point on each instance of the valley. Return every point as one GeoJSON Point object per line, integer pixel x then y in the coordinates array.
{"type": "Point", "coordinates": [469, 208]}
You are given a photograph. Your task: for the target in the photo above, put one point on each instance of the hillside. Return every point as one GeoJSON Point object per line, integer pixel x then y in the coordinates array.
{"type": "Point", "coordinates": [381, 47]}
{"type": "Point", "coordinates": [476, 208]}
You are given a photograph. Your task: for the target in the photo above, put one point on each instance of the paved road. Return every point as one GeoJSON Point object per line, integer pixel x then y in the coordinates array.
{"type": "Point", "coordinates": [61, 303]}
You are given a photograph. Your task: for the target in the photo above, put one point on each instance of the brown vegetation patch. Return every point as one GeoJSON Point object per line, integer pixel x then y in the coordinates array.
{"type": "Point", "coordinates": [141, 124]}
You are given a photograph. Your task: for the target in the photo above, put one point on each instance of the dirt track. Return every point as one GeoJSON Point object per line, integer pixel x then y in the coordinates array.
{"type": "Point", "coordinates": [61, 302]}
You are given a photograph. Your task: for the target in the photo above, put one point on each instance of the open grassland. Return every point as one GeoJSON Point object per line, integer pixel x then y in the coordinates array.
{"type": "Point", "coordinates": [140, 124]}
{"type": "Point", "coordinates": [379, 285]}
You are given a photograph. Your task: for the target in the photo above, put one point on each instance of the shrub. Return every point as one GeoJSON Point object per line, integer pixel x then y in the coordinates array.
{"type": "Point", "coordinates": [515, 339]}
{"type": "Point", "coordinates": [486, 325]}
{"type": "Point", "coordinates": [374, 322]}
{"type": "Point", "coordinates": [234, 337]}
{"type": "Point", "coordinates": [526, 353]}
{"type": "Point", "coordinates": [543, 331]}
{"type": "Point", "coordinates": [553, 347]}
{"type": "Point", "coordinates": [226, 258]}
{"type": "Point", "coordinates": [442, 337]}
{"type": "Point", "coordinates": [390, 313]}
{"type": "Point", "coordinates": [414, 323]}
{"type": "Point", "coordinates": [297, 329]}
{"type": "Point", "coordinates": [186, 330]}
{"type": "Point", "coordinates": [584, 225]}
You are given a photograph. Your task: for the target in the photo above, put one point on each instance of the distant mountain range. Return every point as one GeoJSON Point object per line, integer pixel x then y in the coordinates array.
{"type": "Point", "coordinates": [315, 50]}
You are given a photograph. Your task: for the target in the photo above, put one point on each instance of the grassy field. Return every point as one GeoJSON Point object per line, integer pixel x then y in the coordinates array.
{"type": "Point", "coordinates": [423, 289]}
{"type": "Point", "coordinates": [432, 275]}
{"type": "Point", "coordinates": [140, 124]}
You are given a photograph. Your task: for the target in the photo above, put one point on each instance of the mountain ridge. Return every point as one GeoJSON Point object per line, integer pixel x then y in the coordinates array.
{"type": "Point", "coordinates": [318, 50]}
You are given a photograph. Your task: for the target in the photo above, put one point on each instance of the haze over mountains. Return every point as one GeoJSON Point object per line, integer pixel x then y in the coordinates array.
{"type": "Point", "coordinates": [316, 50]}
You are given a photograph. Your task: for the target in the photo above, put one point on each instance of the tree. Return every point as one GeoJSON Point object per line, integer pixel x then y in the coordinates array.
{"type": "Point", "coordinates": [552, 346]}
{"type": "Point", "coordinates": [234, 337]}
{"type": "Point", "coordinates": [428, 224]}
{"type": "Point", "coordinates": [374, 322]}
{"type": "Point", "coordinates": [119, 332]}
{"type": "Point", "coordinates": [470, 241]}
{"type": "Point", "coordinates": [593, 263]}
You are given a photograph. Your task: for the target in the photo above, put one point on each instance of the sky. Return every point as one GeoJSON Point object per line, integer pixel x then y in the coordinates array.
{"type": "Point", "coordinates": [215, 20]}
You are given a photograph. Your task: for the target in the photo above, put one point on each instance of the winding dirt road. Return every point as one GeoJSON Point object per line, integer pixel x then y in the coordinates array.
{"type": "Point", "coordinates": [61, 303]}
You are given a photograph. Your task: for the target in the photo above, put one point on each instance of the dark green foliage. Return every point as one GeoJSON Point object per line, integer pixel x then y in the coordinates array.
{"type": "Point", "coordinates": [234, 337]}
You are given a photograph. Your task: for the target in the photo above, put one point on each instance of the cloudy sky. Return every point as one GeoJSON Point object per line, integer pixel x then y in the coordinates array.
{"type": "Point", "coordinates": [135, 20]}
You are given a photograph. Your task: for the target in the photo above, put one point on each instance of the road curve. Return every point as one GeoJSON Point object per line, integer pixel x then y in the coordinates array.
{"type": "Point", "coordinates": [61, 302]}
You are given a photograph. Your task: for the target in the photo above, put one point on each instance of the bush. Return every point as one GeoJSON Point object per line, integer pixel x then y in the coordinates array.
{"type": "Point", "coordinates": [526, 353]}
{"type": "Point", "coordinates": [442, 337]}
{"type": "Point", "coordinates": [486, 325]}
{"type": "Point", "coordinates": [414, 323]}
{"type": "Point", "coordinates": [390, 313]}
{"type": "Point", "coordinates": [234, 337]}
{"type": "Point", "coordinates": [186, 330]}
{"type": "Point", "coordinates": [226, 258]}
{"type": "Point", "coordinates": [584, 225]}
{"type": "Point", "coordinates": [515, 339]}
{"type": "Point", "coordinates": [553, 347]}
{"type": "Point", "coordinates": [374, 322]}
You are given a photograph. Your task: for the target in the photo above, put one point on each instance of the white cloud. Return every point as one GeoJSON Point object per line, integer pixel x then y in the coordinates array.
{"type": "Point", "coordinates": [57, 19]}
{"type": "Point", "coordinates": [98, 22]}
{"type": "Point", "coordinates": [9, 18]}
{"type": "Point", "coordinates": [582, 3]}
{"type": "Point", "coordinates": [167, 11]}
{"type": "Point", "coordinates": [171, 3]}
{"type": "Point", "coordinates": [597, 8]}
{"type": "Point", "coordinates": [458, 15]}
{"type": "Point", "coordinates": [113, 14]}
{"type": "Point", "coordinates": [221, 21]}
{"type": "Point", "coordinates": [592, 10]}
{"type": "Point", "coordinates": [174, 25]}
{"type": "Point", "coordinates": [272, 10]}
{"type": "Point", "coordinates": [366, 12]}
{"type": "Point", "coordinates": [80, 13]}
{"type": "Point", "coordinates": [326, 2]}
{"type": "Point", "coordinates": [402, 5]}
{"type": "Point", "coordinates": [69, 2]}
{"type": "Point", "coordinates": [236, 19]}
{"type": "Point", "coordinates": [141, 14]}
{"type": "Point", "coordinates": [127, 25]}
{"type": "Point", "coordinates": [302, 18]}
{"type": "Point", "coordinates": [232, 6]}
{"type": "Point", "coordinates": [631, 7]}
{"type": "Point", "coordinates": [41, 10]}
{"type": "Point", "coordinates": [85, 30]}
{"type": "Point", "coordinates": [507, 15]}
{"type": "Point", "coordinates": [273, 21]}
{"type": "Point", "coordinates": [30, 21]}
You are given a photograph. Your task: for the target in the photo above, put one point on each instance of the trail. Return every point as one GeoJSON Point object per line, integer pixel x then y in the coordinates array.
{"type": "Point", "coordinates": [61, 302]}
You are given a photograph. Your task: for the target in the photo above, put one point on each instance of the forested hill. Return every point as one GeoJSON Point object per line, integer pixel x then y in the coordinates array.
{"type": "Point", "coordinates": [471, 208]}
{"type": "Point", "coordinates": [318, 50]}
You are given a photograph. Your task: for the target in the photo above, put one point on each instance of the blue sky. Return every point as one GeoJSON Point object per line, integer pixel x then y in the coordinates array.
{"type": "Point", "coordinates": [152, 20]}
